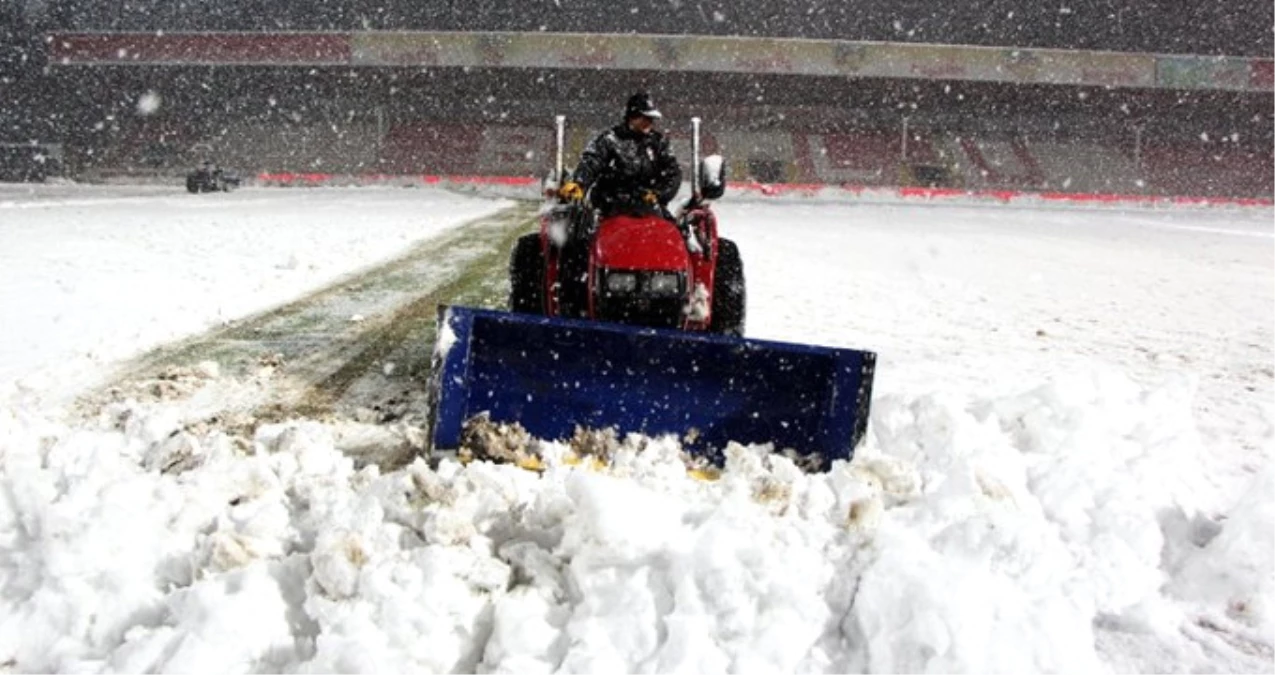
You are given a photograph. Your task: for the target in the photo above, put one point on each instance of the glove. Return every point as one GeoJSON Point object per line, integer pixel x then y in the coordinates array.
{"type": "Point", "coordinates": [571, 191]}
{"type": "Point", "coordinates": [650, 198]}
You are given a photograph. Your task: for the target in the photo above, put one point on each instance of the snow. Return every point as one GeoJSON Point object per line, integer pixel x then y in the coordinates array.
{"type": "Point", "coordinates": [1068, 466]}
{"type": "Point", "coordinates": [712, 169]}
{"type": "Point", "coordinates": [149, 103]}
{"type": "Point", "coordinates": [95, 275]}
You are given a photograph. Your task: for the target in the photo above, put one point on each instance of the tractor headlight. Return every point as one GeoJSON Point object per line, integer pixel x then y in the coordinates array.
{"type": "Point", "coordinates": [664, 283]}
{"type": "Point", "coordinates": [621, 282]}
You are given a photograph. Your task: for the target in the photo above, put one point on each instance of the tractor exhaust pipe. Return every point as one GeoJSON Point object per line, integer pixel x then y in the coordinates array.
{"type": "Point", "coordinates": [560, 121]}
{"type": "Point", "coordinates": [695, 192]}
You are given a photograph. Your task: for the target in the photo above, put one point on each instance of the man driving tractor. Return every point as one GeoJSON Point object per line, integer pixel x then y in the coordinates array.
{"type": "Point", "coordinates": [629, 167]}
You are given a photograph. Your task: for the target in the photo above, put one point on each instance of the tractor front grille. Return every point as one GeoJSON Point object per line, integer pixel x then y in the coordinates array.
{"type": "Point", "coordinates": [639, 311]}
{"type": "Point", "coordinates": [640, 300]}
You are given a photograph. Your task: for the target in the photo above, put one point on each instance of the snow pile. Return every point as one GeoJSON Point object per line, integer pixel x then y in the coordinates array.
{"type": "Point", "coordinates": [1233, 568]}
{"type": "Point", "coordinates": [968, 535]}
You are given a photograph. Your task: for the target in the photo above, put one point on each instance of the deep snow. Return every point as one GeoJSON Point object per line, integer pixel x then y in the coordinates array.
{"type": "Point", "coordinates": [1068, 465]}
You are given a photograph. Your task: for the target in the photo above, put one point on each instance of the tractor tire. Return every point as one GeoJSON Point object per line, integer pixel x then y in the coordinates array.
{"type": "Point", "coordinates": [527, 276]}
{"type": "Point", "coordinates": [729, 297]}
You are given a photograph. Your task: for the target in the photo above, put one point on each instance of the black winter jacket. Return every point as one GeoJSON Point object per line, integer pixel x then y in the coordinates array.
{"type": "Point", "coordinates": [621, 164]}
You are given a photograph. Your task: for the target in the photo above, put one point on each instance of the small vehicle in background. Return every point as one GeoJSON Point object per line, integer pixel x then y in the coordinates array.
{"type": "Point", "coordinates": [208, 177]}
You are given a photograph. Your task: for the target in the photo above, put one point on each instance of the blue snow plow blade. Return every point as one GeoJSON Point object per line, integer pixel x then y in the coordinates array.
{"type": "Point", "coordinates": [551, 374]}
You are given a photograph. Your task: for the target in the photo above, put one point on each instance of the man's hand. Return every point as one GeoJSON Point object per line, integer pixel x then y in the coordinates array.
{"type": "Point", "coordinates": [571, 191]}
{"type": "Point", "coordinates": [650, 197]}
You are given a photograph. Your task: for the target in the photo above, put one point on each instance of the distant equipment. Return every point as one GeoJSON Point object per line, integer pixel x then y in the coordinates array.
{"type": "Point", "coordinates": [208, 177]}
{"type": "Point", "coordinates": [31, 162]}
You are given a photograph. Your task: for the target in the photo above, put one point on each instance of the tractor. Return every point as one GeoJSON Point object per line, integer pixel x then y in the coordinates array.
{"type": "Point", "coordinates": [634, 322]}
{"type": "Point", "coordinates": [645, 267]}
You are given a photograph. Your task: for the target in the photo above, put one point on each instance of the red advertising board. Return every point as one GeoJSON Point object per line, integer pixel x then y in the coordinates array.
{"type": "Point", "coordinates": [1262, 75]}
{"type": "Point", "coordinates": [200, 48]}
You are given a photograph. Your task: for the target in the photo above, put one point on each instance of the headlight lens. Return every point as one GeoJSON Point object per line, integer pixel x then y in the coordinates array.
{"type": "Point", "coordinates": [621, 282]}
{"type": "Point", "coordinates": [663, 283]}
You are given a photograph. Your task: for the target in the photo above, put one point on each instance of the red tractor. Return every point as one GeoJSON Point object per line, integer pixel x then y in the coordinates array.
{"type": "Point", "coordinates": [660, 348]}
{"type": "Point", "coordinates": [642, 268]}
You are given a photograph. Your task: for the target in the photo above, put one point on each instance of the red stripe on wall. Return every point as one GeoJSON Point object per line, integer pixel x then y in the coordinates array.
{"type": "Point", "coordinates": [191, 48]}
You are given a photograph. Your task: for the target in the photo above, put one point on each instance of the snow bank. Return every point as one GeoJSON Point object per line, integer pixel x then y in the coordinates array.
{"type": "Point", "coordinates": [968, 535]}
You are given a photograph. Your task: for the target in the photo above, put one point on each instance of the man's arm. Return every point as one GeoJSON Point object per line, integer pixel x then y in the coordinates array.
{"type": "Point", "coordinates": [592, 161]}
{"type": "Point", "coordinates": [668, 175]}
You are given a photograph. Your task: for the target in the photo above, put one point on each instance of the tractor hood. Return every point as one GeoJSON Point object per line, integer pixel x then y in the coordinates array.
{"type": "Point", "coordinates": [640, 243]}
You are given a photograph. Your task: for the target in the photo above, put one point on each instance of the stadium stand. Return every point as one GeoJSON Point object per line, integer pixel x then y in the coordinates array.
{"type": "Point", "coordinates": [1110, 96]}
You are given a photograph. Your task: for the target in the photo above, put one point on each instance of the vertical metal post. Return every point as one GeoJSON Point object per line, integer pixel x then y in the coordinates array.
{"type": "Point", "coordinates": [1137, 148]}
{"type": "Point", "coordinates": [904, 145]}
{"type": "Point", "coordinates": [380, 137]}
{"type": "Point", "coordinates": [695, 158]}
{"type": "Point", "coordinates": [561, 122]}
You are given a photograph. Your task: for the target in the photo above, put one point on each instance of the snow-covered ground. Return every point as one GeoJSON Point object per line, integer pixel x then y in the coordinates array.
{"type": "Point", "coordinates": [91, 275]}
{"type": "Point", "coordinates": [1068, 465]}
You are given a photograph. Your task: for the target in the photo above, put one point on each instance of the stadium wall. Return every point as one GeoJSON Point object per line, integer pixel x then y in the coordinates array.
{"type": "Point", "coordinates": [296, 104]}
{"type": "Point", "coordinates": [1231, 28]}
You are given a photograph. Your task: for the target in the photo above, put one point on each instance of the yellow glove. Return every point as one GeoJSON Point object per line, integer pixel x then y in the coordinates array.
{"type": "Point", "coordinates": [571, 191]}
{"type": "Point", "coordinates": [650, 198]}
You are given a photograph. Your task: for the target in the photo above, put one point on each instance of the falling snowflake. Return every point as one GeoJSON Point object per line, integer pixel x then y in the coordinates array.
{"type": "Point", "coordinates": [149, 102]}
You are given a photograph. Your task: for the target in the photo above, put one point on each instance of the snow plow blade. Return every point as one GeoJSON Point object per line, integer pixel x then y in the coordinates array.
{"type": "Point", "coordinates": [552, 374]}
